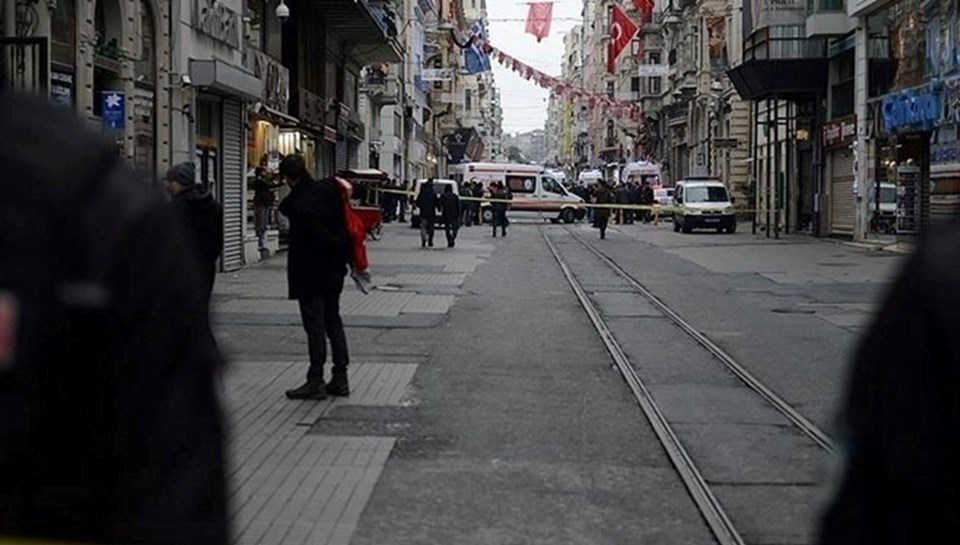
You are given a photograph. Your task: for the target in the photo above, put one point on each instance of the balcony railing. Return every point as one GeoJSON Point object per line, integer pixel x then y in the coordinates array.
{"type": "Point", "coordinates": [783, 43]}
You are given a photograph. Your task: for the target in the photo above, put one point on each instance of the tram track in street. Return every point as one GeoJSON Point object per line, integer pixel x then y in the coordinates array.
{"type": "Point", "coordinates": [711, 509]}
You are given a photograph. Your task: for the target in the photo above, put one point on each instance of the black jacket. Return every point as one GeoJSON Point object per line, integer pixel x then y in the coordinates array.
{"type": "Point", "coordinates": [203, 220]}
{"type": "Point", "coordinates": [427, 201]}
{"type": "Point", "coordinates": [109, 421]}
{"type": "Point", "coordinates": [450, 207]}
{"type": "Point", "coordinates": [319, 243]}
{"type": "Point", "coordinates": [900, 425]}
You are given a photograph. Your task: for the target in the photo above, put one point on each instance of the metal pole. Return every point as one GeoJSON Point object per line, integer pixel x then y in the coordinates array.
{"type": "Point", "coordinates": [755, 149]}
{"type": "Point", "coordinates": [766, 187]}
{"type": "Point", "coordinates": [778, 170]}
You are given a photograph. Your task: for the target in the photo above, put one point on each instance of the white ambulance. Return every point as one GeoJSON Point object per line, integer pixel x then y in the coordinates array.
{"type": "Point", "coordinates": [533, 188]}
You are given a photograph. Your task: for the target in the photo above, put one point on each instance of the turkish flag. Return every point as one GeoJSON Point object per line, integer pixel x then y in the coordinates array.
{"type": "Point", "coordinates": [622, 31]}
{"type": "Point", "coordinates": [538, 19]}
{"type": "Point", "coordinates": [645, 7]}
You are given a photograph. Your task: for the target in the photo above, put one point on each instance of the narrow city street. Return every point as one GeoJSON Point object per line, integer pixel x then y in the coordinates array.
{"type": "Point", "coordinates": [487, 408]}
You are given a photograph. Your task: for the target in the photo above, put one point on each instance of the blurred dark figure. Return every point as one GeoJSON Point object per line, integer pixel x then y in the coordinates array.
{"type": "Point", "coordinates": [502, 196]}
{"type": "Point", "coordinates": [647, 198]}
{"type": "Point", "coordinates": [603, 197]}
{"type": "Point", "coordinates": [317, 259]}
{"type": "Point", "coordinates": [202, 216]}
{"type": "Point", "coordinates": [451, 210]}
{"type": "Point", "coordinates": [427, 203]}
{"type": "Point", "coordinates": [478, 192]}
{"type": "Point", "coordinates": [263, 198]}
{"type": "Point", "coordinates": [402, 200]}
{"type": "Point", "coordinates": [110, 426]}
{"type": "Point", "coordinates": [900, 422]}
{"type": "Point", "coordinates": [466, 208]}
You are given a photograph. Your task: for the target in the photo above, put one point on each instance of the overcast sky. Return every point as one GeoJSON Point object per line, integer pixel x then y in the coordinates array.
{"type": "Point", "coordinates": [524, 102]}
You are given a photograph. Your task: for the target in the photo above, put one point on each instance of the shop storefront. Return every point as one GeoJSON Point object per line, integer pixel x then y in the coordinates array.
{"type": "Point", "coordinates": [838, 135]}
{"type": "Point", "coordinates": [221, 144]}
{"type": "Point", "coordinates": [945, 156]}
{"type": "Point", "coordinates": [909, 118]}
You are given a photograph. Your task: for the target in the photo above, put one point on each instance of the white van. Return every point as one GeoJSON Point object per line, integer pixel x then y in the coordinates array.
{"type": "Point", "coordinates": [439, 187]}
{"type": "Point", "coordinates": [703, 203]}
{"type": "Point", "coordinates": [533, 189]}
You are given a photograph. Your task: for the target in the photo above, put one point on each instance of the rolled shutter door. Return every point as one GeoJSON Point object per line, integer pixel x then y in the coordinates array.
{"type": "Point", "coordinates": [842, 201]}
{"type": "Point", "coordinates": [233, 140]}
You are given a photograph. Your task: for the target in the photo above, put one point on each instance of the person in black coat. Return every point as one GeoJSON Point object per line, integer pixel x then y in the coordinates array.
{"type": "Point", "coordinates": [900, 421]}
{"type": "Point", "coordinates": [427, 203]}
{"type": "Point", "coordinates": [201, 215]}
{"type": "Point", "coordinates": [451, 210]}
{"type": "Point", "coordinates": [317, 257]}
{"type": "Point", "coordinates": [110, 426]}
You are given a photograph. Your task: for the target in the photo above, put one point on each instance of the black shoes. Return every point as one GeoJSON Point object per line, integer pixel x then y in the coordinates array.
{"type": "Point", "coordinates": [313, 389]}
{"type": "Point", "coordinates": [339, 386]}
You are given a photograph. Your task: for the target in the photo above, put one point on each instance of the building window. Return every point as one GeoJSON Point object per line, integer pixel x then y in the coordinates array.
{"type": "Point", "coordinates": [468, 100]}
{"type": "Point", "coordinates": [610, 128]}
{"type": "Point", "coordinates": [144, 99]}
{"type": "Point", "coordinates": [654, 86]}
{"type": "Point", "coordinates": [397, 124]}
{"type": "Point", "coordinates": [610, 89]}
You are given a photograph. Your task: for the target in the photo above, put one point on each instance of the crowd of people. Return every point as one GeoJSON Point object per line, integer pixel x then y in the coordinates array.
{"type": "Point", "coordinates": [629, 193]}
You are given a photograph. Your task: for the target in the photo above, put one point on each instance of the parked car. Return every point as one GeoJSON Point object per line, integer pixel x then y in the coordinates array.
{"type": "Point", "coordinates": [703, 203]}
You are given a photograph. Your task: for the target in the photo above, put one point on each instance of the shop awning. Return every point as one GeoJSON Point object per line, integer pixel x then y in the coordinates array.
{"type": "Point", "coordinates": [216, 75]}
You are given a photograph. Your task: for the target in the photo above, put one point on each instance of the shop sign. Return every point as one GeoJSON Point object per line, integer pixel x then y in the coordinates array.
{"type": "Point", "coordinates": [653, 70]}
{"type": "Point", "coordinates": [274, 77]}
{"type": "Point", "coordinates": [114, 107]}
{"type": "Point", "coordinates": [437, 74]}
{"type": "Point", "coordinates": [768, 13]}
{"type": "Point", "coordinates": [215, 19]}
{"type": "Point", "coordinates": [840, 132]}
{"type": "Point", "coordinates": [61, 89]}
{"type": "Point", "coordinates": [945, 154]}
{"type": "Point", "coordinates": [911, 110]}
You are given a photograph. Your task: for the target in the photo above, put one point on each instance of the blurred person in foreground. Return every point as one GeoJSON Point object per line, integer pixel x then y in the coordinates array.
{"type": "Point", "coordinates": [899, 437]}
{"type": "Point", "coordinates": [110, 426]}
{"type": "Point", "coordinates": [317, 258]}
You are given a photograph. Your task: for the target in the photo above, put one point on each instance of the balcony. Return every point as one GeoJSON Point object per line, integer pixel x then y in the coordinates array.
{"type": "Point", "coordinates": [380, 87]}
{"type": "Point", "coordinates": [366, 29]}
{"type": "Point", "coordinates": [781, 61]}
{"type": "Point", "coordinates": [828, 18]}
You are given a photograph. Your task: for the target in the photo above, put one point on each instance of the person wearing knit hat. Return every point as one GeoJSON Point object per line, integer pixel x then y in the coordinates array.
{"type": "Point", "coordinates": [201, 215]}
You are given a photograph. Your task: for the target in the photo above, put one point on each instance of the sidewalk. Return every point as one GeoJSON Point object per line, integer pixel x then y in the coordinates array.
{"type": "Point", "coordinates": [288, 483]}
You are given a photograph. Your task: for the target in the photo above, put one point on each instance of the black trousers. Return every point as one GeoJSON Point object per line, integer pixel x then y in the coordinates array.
{"type": "Point", "coordinates": [321, 320]}
{"type": "Point", "coordinates": [602, 224]}
{"type": "Point", "coordinates": [451, 229]}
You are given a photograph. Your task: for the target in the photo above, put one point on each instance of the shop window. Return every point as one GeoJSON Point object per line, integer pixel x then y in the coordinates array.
{"type": "Point", "coordinates": [107, 29]}
{"type": "Point", "coordinates": [63, 33]}
{"type": "Point", "coordinates": [144, 99]}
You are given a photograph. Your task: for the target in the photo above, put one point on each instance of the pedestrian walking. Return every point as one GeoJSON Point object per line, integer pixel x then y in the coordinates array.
{"type": "Point", "coordinates": [263, 200]}
{"type": "Point", "coordinates": [501, 196]}
{"type": "Point", "coordinates": [427, 203]}
{"type": "Point", "coordinates": [478, 193]}
{"type": "Point", "coordinates": [451, 210]}
{"type": "Point", "coordinates": [110, 426]}
{"type": "Point", "coordinates": [202, 217]}
{"type": "Point", "coordinates": [319, 251]}
{"type": "Point", "coordinates": [604, 198]}
{"type": "Point", "coordinates": [466, 208]}
{"type": "Point", "coordinates": [402, 200]}
{"type": "Point", "coordinates": [647, 198]}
